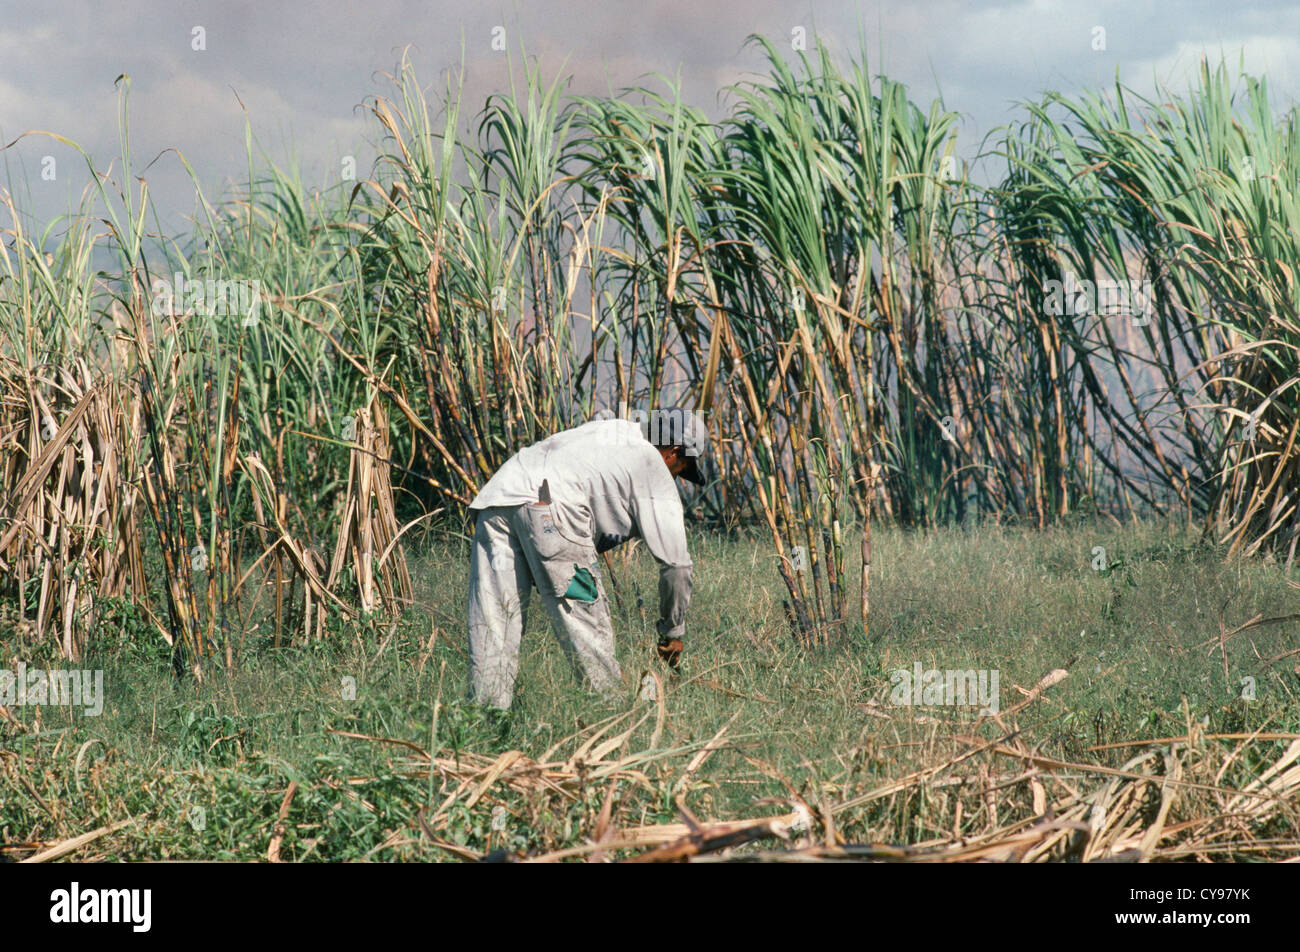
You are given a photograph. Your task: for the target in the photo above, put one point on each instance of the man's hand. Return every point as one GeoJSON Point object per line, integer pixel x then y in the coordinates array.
{"type": "Point", "coordinates": [670, 651]}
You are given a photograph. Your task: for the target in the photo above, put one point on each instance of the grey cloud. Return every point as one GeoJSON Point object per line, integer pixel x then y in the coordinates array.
{"type": "Point", "coordinates": [302, 69]}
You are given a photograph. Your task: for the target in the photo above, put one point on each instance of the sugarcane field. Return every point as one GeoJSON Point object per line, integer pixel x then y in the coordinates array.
{"type": "Point", "coordinates": [730, 435]}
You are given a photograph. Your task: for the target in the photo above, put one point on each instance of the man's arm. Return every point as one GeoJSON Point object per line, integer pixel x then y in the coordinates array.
{"type": "Point", "coordinates": [663, 529]}
{"type": "Point", "coordinates": [674, 598]}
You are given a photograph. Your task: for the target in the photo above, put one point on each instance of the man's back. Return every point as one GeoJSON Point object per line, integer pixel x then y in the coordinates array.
{"type": "Point", "coordinates": [606, 480]}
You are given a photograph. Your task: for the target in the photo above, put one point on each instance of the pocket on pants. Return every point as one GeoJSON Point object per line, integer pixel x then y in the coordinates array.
{"type": "Point", "coordinates": [582, 587]}
{"type": "Point", "coordinates": [556, 575]}
{"type": "Point", "coordinates": [537, 521]}
{"type": "Point", "coordinates": [566, 554]}
{"type": "Point", "coordinates": [568, 578]}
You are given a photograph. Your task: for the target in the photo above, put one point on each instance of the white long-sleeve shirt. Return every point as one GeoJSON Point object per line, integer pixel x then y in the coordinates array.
{"type": "Point", "coordinates": [608, 483]}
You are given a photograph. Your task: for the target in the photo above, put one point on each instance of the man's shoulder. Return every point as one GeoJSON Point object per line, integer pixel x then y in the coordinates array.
{"type": "Point", "coordinates": [614, 431]}
{"type": "Point", "coordinates": [613, 444]}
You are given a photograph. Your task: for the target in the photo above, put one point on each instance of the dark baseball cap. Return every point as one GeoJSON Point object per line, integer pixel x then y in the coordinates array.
{"type": "Point", "coordinates": [677, 426]}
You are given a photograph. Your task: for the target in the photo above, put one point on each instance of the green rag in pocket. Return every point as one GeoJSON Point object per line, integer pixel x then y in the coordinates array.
{"type": "Point", "coordinates": [583, 587]}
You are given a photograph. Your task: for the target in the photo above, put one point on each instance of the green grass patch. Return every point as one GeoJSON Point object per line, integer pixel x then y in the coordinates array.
{"type": "Point", "coordinates": [204, 768]}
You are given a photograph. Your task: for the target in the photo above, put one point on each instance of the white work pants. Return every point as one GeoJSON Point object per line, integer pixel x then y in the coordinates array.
{"type": "Point", "coordinates": [515, 549]}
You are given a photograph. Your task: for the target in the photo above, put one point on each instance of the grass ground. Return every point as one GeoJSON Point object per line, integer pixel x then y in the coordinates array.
{"type": "Point", "coordinates": [250, 763]}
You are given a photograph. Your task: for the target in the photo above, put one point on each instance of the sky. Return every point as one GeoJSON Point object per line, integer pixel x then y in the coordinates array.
{"type": "Point", "coordinates": [297, 74]}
